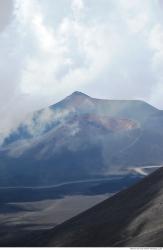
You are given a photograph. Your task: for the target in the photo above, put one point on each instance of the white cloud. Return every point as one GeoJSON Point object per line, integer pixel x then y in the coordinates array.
{"type": "Point", "coordinates": [63, 59]}
{"type": "Point", "coordinates": [77, 7]}
{"type": "Point", "coordinates": [156, 44]}
{"type": "Point", "coordinates": [37, 125]}
{"type": "Point", "coordinates": [106, 48]}
{"type": "Point", "coordinates": [6, 10]}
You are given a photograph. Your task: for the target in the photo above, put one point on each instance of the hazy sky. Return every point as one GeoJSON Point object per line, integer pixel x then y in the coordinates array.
{"type": "Point", "coordinates": [105, 48]}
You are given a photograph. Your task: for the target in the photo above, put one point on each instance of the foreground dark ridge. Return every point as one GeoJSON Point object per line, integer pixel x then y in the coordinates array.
{"type": "Point", "coordinates": [133, 217]}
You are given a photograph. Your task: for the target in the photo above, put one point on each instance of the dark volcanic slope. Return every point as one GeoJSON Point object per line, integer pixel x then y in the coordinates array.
{"type": "Point", "coordinates": [82, 138]}
{"type": "Point", "coordinates": [133, 217]}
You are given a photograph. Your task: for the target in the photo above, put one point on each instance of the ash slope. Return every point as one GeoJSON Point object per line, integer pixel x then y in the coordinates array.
{"type": "Point", "coordinates": [133, 217]}
{"type": "Point", "coordinates": [82, 138]}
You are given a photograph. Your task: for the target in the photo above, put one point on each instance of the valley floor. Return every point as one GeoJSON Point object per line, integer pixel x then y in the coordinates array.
{"type": "Point", "coordinates": [23, 210]}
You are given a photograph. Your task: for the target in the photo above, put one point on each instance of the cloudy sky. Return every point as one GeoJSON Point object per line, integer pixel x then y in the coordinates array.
{"type": "Point", "coordinates": [105, 48]}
